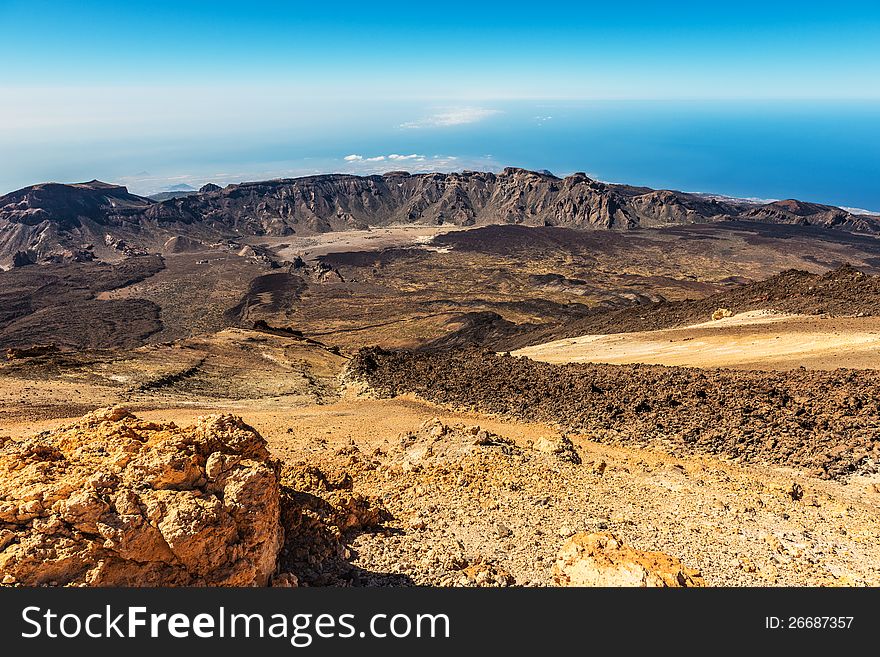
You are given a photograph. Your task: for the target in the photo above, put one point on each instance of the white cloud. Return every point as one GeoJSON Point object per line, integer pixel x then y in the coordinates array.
{"type": "Point", "coordinates": [859, 210]}
{"type": "Point", "coordinates": [360, 159]}
{"type": "Point", "coordinates": [451, 117]}
{"type": "Point", "coordinates": [418, 163]}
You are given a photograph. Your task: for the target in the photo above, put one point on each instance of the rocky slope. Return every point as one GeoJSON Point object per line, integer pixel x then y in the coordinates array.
{"type": "Point", "coordinates": [501, 504]}
{"type": "Point", "coordinates": [67, 222]}
{"type": "Point", "coordinates": [79, 221]}
{"type": "Point", "coordinates": [844, 291]}
{"type": "Point", "coordinates": [824, 422]}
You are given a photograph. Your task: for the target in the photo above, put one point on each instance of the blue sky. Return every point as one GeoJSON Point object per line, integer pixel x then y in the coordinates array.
{"type": "Point", "coordinates": [454, 49]}
{"type": "Point", "coordinates": [149, 93]}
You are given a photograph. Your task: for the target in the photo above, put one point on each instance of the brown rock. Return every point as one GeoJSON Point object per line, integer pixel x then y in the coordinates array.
{"type": "Point", "coordinates": [485, 574]}
{"type": "Point", "coordinates": [601, 559]}
{"type": "Point", "coordinates": [560, 447]}
{"type": "Point", "coordinates": [112, 500]}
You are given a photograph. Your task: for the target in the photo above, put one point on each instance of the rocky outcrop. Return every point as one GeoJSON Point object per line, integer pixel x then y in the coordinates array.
{"type": "Point", "coordinates": [113, 500]}
{"type": "Point", "coordinates": [34, 351]}
{"type": "Point", "coordinates": [602, 559]}
{"type": "Point", "coordinates": [562, 448]}
{"type": "Point", "coordinates": [435, 442]}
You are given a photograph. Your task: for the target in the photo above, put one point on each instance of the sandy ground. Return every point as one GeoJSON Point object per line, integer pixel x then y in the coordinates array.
{"type": "Point", "coordinates": [374, 239]}
{"type": "Point", "coordinates": [752, 340]}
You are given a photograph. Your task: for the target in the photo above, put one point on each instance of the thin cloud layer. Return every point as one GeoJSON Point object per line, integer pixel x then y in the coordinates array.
{"type": "Point", "coordinates": [381, 158]}
{"type": "Point", "coordinates": [452, 117]}
{"type": "Point", "coordinates": [416, 163]}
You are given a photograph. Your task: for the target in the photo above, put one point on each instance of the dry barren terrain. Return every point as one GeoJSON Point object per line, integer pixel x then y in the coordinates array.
{"type": "Point", "coordinates": [757, 340]}
{"type": "Point", "coordinates": [747, 447]}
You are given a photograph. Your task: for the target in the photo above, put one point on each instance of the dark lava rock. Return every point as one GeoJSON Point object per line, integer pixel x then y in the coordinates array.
{"type": "Point", "coordinates": [822, 421]}
{"type": "Point", "coordinates": [24, 258]}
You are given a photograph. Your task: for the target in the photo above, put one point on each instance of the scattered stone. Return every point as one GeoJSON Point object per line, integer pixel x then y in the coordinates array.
{"type": "Point", "coordinates": [285, 580]}
{"type": "Point", "coordinates": [602, 559]}
{"type": "Point", "coordinates": [560, 447]}
{"type": "Point", "coordinates": [483, 574]}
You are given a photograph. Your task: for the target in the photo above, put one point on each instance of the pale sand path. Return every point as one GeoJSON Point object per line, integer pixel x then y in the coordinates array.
{"type": "Point", "coordinates": [753, 340]}
{"type": "Point", "coordinates": [375, 239]}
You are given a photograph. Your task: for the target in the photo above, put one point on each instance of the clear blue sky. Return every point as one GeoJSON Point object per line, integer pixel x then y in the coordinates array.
{"type": "Point", "coordinates": [124, 89]}
{"type": "Point", "coordinates": [444, 49]}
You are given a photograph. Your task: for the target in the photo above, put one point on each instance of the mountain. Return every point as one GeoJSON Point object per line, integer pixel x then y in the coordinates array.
{"type": "Point", "coordinates": [166, 196]}
{"type": "Point", "coordinates": [812, 214]}
{"type": "Point", "coordinates": [175, 191]}
{"type": "Point", "coordinates": [68, 206]}
{"type": "Point", "coordinates": [324, 203]}
{"type": "Point", "coordinates": [52, 220]}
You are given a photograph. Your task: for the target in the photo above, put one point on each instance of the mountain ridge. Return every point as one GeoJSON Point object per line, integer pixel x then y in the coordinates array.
{"type": "Point", "coordinates": [92, 219]}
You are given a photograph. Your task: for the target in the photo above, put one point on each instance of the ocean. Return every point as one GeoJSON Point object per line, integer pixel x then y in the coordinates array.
{"type": "Point", "coordinates": [825, 152]}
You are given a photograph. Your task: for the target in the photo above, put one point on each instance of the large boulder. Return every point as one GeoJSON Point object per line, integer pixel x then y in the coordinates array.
{"type": "Point", "coordinates": [113, 500]}
{"type": "Point", "coordinates": [601, 559]}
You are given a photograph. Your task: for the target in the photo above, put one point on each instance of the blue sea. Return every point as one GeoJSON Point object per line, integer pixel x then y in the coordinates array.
{"type": "Point", "coordinates": [826, 152]}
